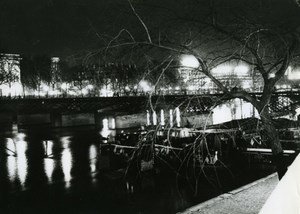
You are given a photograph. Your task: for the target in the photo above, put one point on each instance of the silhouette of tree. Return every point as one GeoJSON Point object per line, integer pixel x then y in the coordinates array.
{"type": "Point", "coordinates": [35, 70]}
{"type": "Point", "coordinates": [259, 33]}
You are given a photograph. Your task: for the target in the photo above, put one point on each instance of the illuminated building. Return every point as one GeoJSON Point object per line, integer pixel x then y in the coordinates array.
{"type": "Point", "coordinates": [10, 77]}
{"type": "Point", "coordinates": [232, 75]}
{"type": "Point", "coordinates": [55, 76]}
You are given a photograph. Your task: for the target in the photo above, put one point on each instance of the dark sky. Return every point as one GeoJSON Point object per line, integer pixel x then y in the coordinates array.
{"type": "Point", "coordinates": [51, 26]}
{"type": "Point", "coordinates": [64, 27]}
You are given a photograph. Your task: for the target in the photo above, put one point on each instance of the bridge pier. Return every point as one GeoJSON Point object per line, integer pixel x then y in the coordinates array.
{"type": "Point", "coordinates": [33, 119]}
{"type": "Point", "coordinates": [56, 119]}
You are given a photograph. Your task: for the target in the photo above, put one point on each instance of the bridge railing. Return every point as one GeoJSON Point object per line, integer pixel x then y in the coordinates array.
{"type": "Point", "coordinates": [287, 92]}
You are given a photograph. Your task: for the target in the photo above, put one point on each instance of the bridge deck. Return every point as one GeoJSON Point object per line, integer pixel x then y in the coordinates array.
{"type": "Point", "coordinates": [280, 102]}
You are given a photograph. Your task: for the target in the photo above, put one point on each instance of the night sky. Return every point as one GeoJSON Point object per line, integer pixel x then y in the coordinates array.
{"type": "Point", "coordinates": [54, 27]}
{"type": "Point", "coordinates": [64, 27]}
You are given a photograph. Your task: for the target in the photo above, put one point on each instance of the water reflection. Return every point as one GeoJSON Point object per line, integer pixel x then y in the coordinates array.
{"type": "Point", "coordinates": [66, 160]}
{"type": "Point", "coordinates": [77, 165]}
{"type": "Point", "coordinates": [20, 136]}
{"type": "Point", "coordinates": [16, 160]}
{"type": "Point", "coordinates": [10, 147]}
{"type": "Point", "coordinates": [48, 148]}
{"type": "Point", "coordinates": [49, 163]}
{"type": "Point", "coordinates": [49, 168]}
{"type": "Point", "coordinates": [12, 168]}
{"type": "Point", "coordinates": [93, 158]}
{"type": "Point", "coordinates": [14, 128]}
{"type": "Point", "coordinates": [21, 147]}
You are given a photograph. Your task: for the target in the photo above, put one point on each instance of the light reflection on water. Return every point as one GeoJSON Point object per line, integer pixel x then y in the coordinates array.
{"type": "Point", "coordinates": [65, 140]}
{"type": "Point", "coordinates": [16, 160]}
{"type": "Point", "coordinates": [49, 163]}
{"type": "Point", "coordinates": [14, 128]}
{"type": "Point", "coordinates": [48, 147]}
{"type": "Point", "coordinates": [20, 137]}
{"type": "Point", "coordinates": [21, 147]}
{"type": "Point", "coordinates": [10, 147]}
{"type": "Point", "coordinates": [93, 158]}
{"type": "Point", "coordinates": [49, 168]}
{"type": "Point", "coordinates": [66, 160]}
{"type": "Point", "coordinates": [11, 168]}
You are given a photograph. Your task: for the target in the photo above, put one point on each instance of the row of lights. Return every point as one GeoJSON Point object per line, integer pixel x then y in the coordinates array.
{"type": "Point", "coordinates": [187, 61]}
{"type": "Point", "coordinates": [154, 120]}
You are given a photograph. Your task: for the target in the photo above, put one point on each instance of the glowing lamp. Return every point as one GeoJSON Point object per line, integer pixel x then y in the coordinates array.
{"type": "Point", "coordinates": [145, 86]}
{"type": "Point", "coordinates": [189, 61]}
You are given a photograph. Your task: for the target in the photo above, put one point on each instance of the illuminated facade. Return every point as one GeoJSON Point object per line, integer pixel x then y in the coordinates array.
{"type": "Point", "coordinates": [290, 81]}
{"type": "Point", "coordinates": [118, 79]}
{"type": "Point", "coordinates": [10, 80]}
{"type": "Point", "coordinates": [232, 76]}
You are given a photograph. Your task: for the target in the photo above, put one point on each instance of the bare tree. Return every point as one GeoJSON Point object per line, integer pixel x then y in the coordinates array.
{"type": "Point", "coordinates": [263, 34]}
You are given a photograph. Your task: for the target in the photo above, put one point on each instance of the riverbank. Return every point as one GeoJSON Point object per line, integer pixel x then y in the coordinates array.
{"type": "Point", "coordinates": [246, 199]}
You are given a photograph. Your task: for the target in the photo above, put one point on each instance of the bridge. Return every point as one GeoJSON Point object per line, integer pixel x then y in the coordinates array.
{"type": "Point", "coordinates": [126, 104]}
{"type": "Point", "coordinates": [281, 103]}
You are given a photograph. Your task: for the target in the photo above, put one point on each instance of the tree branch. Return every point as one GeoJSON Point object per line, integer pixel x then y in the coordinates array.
{"type": "Point", "coordinates": [141, 21]}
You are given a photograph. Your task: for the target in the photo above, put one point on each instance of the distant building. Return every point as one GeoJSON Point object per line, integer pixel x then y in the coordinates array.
{"type": "Point", "coordinates": [10, 76]}
{"type": "Point", "coordinates": [55, 73]}
{"type": "Point", "coordinates": [232, 76]}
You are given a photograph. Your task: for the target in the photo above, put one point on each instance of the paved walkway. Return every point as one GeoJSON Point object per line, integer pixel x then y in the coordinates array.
{"type": "Point", "coordinates": [245, 200]}
{"type": "Point", "coordinates": [285, 199]}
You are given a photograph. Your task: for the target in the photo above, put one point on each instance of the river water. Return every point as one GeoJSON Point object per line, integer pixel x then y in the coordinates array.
{"type": "Point", "coordinates": [66, 170]}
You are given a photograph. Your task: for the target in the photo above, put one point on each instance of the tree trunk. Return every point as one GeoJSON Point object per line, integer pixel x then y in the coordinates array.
{"type": "Point", "coordinates": [270, 136]}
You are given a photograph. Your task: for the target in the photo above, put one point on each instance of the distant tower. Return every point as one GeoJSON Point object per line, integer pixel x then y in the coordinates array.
{"type": "Point", "coordinates": [55, 76]}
